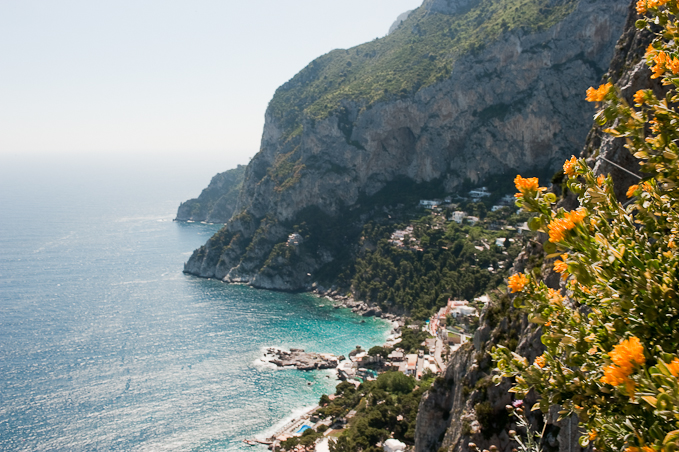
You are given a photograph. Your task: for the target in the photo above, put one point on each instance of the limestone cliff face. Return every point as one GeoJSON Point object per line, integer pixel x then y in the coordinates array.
{"type": "Point", "coordinates": [447, 419]}
{"type": "Point", "coordinates": [513, 103]}
{"type": "Point", "coordinates": [217, 202]}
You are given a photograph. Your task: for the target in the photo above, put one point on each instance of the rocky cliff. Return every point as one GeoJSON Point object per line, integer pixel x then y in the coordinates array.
{"type": "Point", "coordinates": [461, 90]}
{"type": "Point", "coordinates": [217, 202]}
{"type": "Point", "coordinates": [450, 416]}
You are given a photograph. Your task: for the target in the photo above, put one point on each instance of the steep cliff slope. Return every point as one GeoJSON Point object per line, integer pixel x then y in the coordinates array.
{"type": "Point", "coordinates": [448, 418]}
{"type": "Point", "coordinates": [459, 91]}
{"type": "Point", "coordinates": [217, 202]}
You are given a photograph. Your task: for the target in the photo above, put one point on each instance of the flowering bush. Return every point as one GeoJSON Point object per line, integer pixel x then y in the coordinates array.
{"type": "Point", "coordinates": [612, 334]}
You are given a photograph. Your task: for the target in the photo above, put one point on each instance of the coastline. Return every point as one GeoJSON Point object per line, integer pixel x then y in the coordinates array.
{"type": "Point", "coordinates": [357, 307]}
{"type": "Point", "coordinates": [291, 427]}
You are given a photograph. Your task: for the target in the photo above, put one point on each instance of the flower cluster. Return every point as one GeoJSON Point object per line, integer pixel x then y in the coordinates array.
{"type": "Point", "coordinates": [661, 61]}
{"type": "Point", "coordinates": [598, 94]}
{"type": "Point", "coordinates": [625, 356]}
{"type": "Point", "coordinates": [569, 166]}
{"type": "Point", "coordinates": [517, 282]}
{"type": "Point", "coordinates": [643, 6]}
{"type": "Point", "coordinates": [560, 226]}
{"type": "Point", "coordinates": [609, 331]}
{"type": "Point", "coordinates": [560, 266]}
{"type": "Point", "coordinates": [526, 184]}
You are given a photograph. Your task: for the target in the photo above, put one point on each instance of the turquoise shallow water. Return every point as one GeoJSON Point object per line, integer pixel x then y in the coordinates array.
{"type": "Point", "coordinates": [106, 345]}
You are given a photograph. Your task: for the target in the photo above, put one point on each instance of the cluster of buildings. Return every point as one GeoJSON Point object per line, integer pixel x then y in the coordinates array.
{"type": "Point", "coordinates": [294, 239]}
{"type": "Point", "coordinates": [474, 194]}
{"type": "Point", "coordinates": [505, 201]}
{"type": "Point", "coordinates": [451, 335]}
{"type": "Point", "coordinates": [404, 238]}
{"type": "Point", "coordinates": [356, 368]}
{"type": "Point", "coordinates": [459, 216]}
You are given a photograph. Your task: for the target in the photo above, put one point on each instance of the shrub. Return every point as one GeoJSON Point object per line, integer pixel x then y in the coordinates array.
{"type": "Point", "coordinates": [611, 342]}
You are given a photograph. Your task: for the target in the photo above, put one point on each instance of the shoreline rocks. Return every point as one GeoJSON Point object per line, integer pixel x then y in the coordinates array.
{"type": "Point", "coordinates": [300, 359]}
{"type": "Point", "coordinates": [357, 307]}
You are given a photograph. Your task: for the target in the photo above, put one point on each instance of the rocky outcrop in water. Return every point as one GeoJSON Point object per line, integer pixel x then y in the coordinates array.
{"type": "Point", "coordinates": [509, 104]}
{"type": "Point", "coordinates": [300, 359]}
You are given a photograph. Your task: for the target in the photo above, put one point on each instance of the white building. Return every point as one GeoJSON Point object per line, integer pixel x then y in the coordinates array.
{"type": "Point", "coordinates": [508, 200]}
{"type": "Point", "coordinates": [429, 203]}
{"type": "Point", "coordinates": [458, 216]}
{"type": "Point", "coordinates": [472, 220]}
{"type": "Point", "coordinates": [462, 311]}
{"type": "Point", "coordinates": [500, 241]}
{"type": "Point", "coordinates": [479, 193]}
{"type": "Point", "coordinates": [411, 365]}
{"type": "Point", "coordinates": [485, 299]}
{"type": "Point", "coordinates": [393, 445]}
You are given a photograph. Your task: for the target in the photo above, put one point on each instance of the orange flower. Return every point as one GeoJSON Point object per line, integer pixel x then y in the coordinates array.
{"type": "Point", "coordinates": [625, 356]}
{"type": "Point", "coordinates": [561, 266]}
{"type": "Point", "coordinates": [641, 7]}
{"type": "Point", "coordinates": [559, 227]}
{"type": "Point", "coordinates": [674, 367]}
{"type": "Point", "coordinates": [540, 361]}
{"type": "Point", "coordinates": [600, 180]}
{"type": "Point", "coordinates": [526, 184]}
{"type": "Point", "coordinates": [569, 166]}
{"type": "Point", "coordinates": [662, 62]}
{"type": "Point", "coordinates": [673, 65]}
{"type": "Point", "coordinates": [517, 282]}
{"type": "Point", "coordinates": [592, 434]}
{"type": "Point", "coordinates": [576, 216]}
{"type": "Point", "coordinates": [598, 94]}
{"type": "Point", "coordinates": [554, 297]}
{"type": "Point", "coordinates": [639, 96]}
{"type": "Point", "coordinates": [631, 190]}
{"type": "Point", "coordinates": [628, 353]}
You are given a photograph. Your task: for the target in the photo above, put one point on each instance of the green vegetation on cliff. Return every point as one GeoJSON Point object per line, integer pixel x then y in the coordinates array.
{"type": "Point", "coordinates": [420, 52]}
{"type": "Point", "coordinates": [445, 260]}
{"type": "Point", "coordinates": [217, 202]}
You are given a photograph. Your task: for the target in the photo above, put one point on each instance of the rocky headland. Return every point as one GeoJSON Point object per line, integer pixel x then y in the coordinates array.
{"type": "Point", "coordinates": [217, 202]}
{"type": "Point", "coordinates": [502, 101]}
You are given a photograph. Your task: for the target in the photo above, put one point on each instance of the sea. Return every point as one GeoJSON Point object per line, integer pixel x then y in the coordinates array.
{"type": "Point", "coordinates": [106, 345]}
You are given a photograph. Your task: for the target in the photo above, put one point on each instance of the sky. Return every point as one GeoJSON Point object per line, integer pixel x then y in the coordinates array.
{"type": "Point", "coordinates": [162, 77]}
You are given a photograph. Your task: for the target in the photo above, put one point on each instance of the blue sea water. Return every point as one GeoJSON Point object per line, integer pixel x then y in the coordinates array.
{"type": "Point", "coordinates": [106, 345]}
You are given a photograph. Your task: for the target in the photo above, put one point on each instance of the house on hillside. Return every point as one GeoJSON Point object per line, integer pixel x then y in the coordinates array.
{"type": "Point", "coordinates": [458, 216]}
{"type": "Point", "coordinates": [479, 193]}
{"type": "Point", "coordinates": [393, 445]}
{"type": "Point", "coordinates": [429, 203]}
{"type": "Point", "coordinates": [472, 220]}
{"type": "Point", "coordinates": [463, 311]}
{"type": "Point", "coordinates": [411, 365]}
{"type": "Point", "coordinates": [295, 239]}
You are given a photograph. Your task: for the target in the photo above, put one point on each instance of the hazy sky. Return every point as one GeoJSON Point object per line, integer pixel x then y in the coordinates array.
{"type": "Point", "coordinates": [162, 76]}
